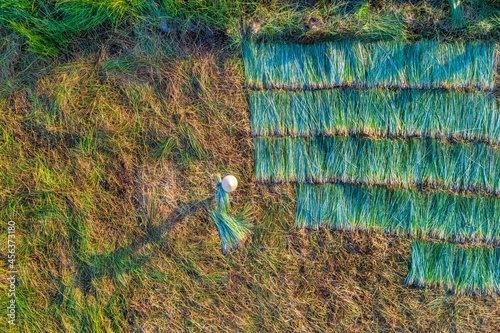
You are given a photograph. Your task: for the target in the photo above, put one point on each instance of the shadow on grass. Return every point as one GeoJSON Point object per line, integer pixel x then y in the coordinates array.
{"type": "Point", "coordinates": [125, 260]}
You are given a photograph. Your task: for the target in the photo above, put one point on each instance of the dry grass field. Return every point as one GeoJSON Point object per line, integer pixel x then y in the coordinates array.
{"type": "Point", "coordinates": [114, 117]}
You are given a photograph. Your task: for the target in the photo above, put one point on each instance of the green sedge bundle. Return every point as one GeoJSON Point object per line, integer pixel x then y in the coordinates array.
{"type": "Point", "coordinates": [422, 65]}
{"type": "Point", "coordinates": [455, 268]}
{"type": "Point", "coordinates": [460, 167]}
{"type": "Point", "coordinates": [409, 113]}
{"type": "Point", "coordinates": [413, 213]}
{"type": "Point", "coordinates": [233, 230]}
{"type": "Point", "coordinates": [457, 14]}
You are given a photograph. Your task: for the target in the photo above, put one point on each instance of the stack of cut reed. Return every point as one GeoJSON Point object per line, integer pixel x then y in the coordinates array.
{"type": "Point", "coordinates": [394, 137]}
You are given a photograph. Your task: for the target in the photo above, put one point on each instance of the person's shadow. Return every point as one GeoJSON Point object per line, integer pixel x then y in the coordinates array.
{"type": "Point", "coordinates": [124, 260]}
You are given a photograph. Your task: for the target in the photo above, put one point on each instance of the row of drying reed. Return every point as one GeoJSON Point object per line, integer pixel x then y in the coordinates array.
{"type": "Point", "coordinates": [410, 163]}
{"type": "Point", "coordinates": [380, 113]}
{"type": "Point", "coordinates": [424, 64]}
{"type": "Point", "coordinates": [413, 213]}
{"type": "Point", "coordinates": [441, 140]}
{"type": "Point", "coordinates": [455, 268]}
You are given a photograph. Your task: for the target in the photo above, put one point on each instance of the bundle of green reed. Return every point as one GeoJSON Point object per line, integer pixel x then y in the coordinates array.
{"type": "Point", "coordinates": [424, 64]}
{"type": "Point", "coordinates": [457, 167]}
{"type": "Point", "coordinates": [233, 230]}
{"type": "Point", "coordinates": [456, 116]}
{"type": "Point", "coordinates": [457, 15]}
{"type": "Point", "coordinates": [414, 213]}
{"type": "Point", "coordinates": [455, 268]}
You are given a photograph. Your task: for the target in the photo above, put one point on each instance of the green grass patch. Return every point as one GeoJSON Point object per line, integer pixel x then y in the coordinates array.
{"type": "Point", "coordinates": [455, 268]}
{"type": "Point", "coordinates": [406, 163]}
{"type": "Point", "coordinates": [49, 25]}
{"type": "Point", "coordinates": [413, 213]}
{"type": "Point", "coordinates": [424, 64]}
{"type": "Point", "coordinates": [381, 113]}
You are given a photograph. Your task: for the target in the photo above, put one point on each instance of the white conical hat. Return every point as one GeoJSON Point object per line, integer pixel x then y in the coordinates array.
{"type": "Point", "coordinates": [229, 183]}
